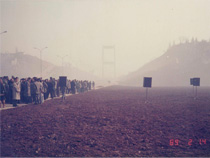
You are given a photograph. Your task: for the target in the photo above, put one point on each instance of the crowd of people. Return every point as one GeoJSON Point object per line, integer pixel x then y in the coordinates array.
{"type": "Point", "coordinates": [36, 90]}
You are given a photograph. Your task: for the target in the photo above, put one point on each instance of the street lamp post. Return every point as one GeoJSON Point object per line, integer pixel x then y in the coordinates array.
{"type": "Point", "coordinates": [40, 50]}
{"type": "Point", "coordinates": [62, 57]}
{"type": "Point", "coordinates": [3, 32]}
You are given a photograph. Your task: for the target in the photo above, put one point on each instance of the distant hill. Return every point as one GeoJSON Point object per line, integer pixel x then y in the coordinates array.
{"type": "Point", "coordinates": [175, 68]}
{"type": "Point", "coordinates": [23, 65]}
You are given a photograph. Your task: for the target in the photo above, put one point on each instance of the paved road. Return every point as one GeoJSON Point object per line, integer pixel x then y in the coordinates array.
{"type": "Point", "coordinates": [10, 106]}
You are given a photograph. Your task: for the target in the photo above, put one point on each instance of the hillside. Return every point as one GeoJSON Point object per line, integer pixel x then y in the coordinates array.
{"type": "Point", "coordinates": [23, 65]}
{"type": "Point", "coordinates": [175, 68]}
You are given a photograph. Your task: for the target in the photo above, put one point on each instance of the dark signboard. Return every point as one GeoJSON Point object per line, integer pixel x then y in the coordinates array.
{"type": "Point", "coordinates": [148, 82]}
{"type": "Point", "coordinates": [196, 81]}
{"type": "Point", "coordinates": [62, 81]}
{"type": "Point", "coordinates": [191, 81]}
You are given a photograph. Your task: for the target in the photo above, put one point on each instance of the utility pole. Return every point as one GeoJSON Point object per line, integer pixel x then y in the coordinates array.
{"type": "Point", "coordinates": [62, 57]}
{"type": "Point", "coordinates": [111, 63]}
{"type": "Point", "coordinates": [40, 50]}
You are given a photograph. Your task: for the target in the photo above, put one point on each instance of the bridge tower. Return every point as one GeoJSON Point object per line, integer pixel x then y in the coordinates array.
{"type": "Point", "coordinates": [108, 62]}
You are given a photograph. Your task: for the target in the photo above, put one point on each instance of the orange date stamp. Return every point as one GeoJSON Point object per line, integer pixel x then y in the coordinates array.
{"type": "Point", "coordinates": [177, 142]}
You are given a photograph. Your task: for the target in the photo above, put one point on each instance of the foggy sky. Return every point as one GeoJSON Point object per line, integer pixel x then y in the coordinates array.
{"type": "Point", "coordinates": [141, 30]}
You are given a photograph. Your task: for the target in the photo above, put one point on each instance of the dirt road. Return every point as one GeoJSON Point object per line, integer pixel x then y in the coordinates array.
{"type": "Point", "coordinates": [112, 121]}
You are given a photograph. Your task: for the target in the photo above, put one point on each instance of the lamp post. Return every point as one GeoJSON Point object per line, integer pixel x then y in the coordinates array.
{"type": "Point", "coordinates": [40, 50]}
{"type": "Point", "coordinates": [62, 57]}
{"type": "Point", "coordinates": [3, 32]}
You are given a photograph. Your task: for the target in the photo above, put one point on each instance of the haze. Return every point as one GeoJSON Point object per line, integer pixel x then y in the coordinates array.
{"type": "Point", "coordinates": [141, 30]}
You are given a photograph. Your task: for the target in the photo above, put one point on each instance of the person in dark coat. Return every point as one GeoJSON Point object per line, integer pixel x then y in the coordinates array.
{"type": "Point", "coordinates": [10, 83]}
{"type": "Point", "coordinates": [2, 93]}
{"type": "Point", "coordinates": [27, 92]}
{"type": "Point", "coordinates": [73, 87]}
{"type": "Point", "coordinates": [33, 90]}
{"type": "Point", "coordinates": [93, 85]}
{"type": "Point", "coordinates": [6, 83]}
{"type": "Point", "coordinates": [23, 90]}
{"type": "Point", "coordinates": [51, 87]}
{"type": "Point", "coordinates": [89, 85]}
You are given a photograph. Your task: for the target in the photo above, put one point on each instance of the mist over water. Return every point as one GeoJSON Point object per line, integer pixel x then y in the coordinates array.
{"type": "Point", "coordinates": [140, 30]}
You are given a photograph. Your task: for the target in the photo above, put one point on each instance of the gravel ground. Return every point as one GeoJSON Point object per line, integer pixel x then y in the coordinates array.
{"type": "Point", "coordinates": [112, 121]}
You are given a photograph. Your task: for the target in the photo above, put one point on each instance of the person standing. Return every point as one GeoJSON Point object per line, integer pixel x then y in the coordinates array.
{"type": "Point", "coordinates": [39, 92]}
{"type": "Point", "coordinates": [73, 87]}
{"type": "Point", "coordinates": [54, 87]}
{"type": "Point", "coordinates": [28, 90]}
{"type": "Point", "coordinates": [33, 90]}
{"type": "Point", "coordinates": [63, 92]}
{"type": "Point", "coordinates": [42, 91]}
{"type": "Point", "coordinates": [51, 88]}
{"type": "Point", "coordinates": [5, 82]}
{"type": "Point", "coordinates": [10, 82]}
{"type": "Point", "coordinates": [23, 90]}
{"type": "Point", "coordinates": [16, 91]}
{"type": "Point", "coordinates": [89, 85]}
{"type": "Point", "coordinates": [68, 86]}
{"type": "Point", "coordinates": [2, 93]}
{"type": "Point", "coordinates": [45, 87]}
{"type": "Point", "coordinates": [93, 85]}
{"type": "Point", "coordinates": [57, 88]}
{"type": "Point", "coordinates": [78, 85]}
